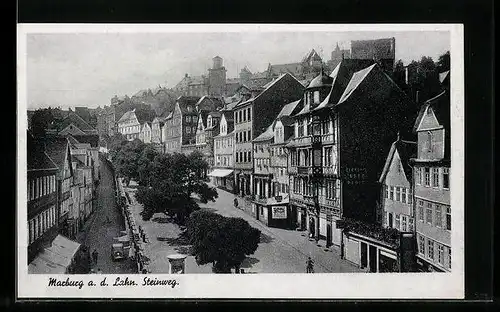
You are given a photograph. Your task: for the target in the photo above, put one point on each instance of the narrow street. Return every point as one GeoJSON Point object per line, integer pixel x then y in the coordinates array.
{"type": "Point", "coordinates": [280, 250]}
{"type": "Point", "coordinates": [100, 232]}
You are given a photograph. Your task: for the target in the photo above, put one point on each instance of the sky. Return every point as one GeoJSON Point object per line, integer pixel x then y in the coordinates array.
{"type": "Point", "coordinates": [88, 69]}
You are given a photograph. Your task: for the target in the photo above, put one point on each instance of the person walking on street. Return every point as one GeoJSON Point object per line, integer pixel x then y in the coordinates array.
{"type": "Point", "coordinates": [236, 202]}
{"type": "Point", "coordinates": [310, 265]}
{"type": "Point", "coordinates": [94, 255]}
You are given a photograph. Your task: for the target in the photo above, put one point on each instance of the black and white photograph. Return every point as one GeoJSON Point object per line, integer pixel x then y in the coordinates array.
{"type": "Point", "coordinates": [163, 156]}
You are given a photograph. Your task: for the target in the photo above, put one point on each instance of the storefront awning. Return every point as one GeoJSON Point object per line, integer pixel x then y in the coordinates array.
{"type": "Point", "coordinates": [55, 259]}
{"type": "Point", "coordinates": [220, 173]}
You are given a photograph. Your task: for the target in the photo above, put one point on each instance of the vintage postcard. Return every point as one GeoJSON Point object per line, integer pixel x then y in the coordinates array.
{"type": "Point", "coordinates": [240, 161]}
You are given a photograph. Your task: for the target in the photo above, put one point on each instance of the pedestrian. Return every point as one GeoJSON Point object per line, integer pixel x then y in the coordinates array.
{"type": "Point", "coordinates": [99, 271]}
{"type": "Point", "coordinates": [94, 255]}
{"type": "Point", "coordinates": [309, 265]}
{"type": "Point", "coordinates": [236, 202]}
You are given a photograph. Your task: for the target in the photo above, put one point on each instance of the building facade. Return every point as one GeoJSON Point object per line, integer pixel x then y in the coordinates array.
{"type": "Point", "coordinates": [129, 126]}
{"type": "Point", "coordinates": [432, 185]}
{"type": "Point", "coordinates": [146, 133]}
{"type": "Point", "coordinates": [252, 117]}
{"type": "Point", "coordinates": [42, 191]}
{"type": "Point", "coordinates": [181, 127]}
{"type": "Point", "coordinates": [222, 173]}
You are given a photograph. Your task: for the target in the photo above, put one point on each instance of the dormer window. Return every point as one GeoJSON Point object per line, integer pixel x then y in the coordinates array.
{"type": "Point", "coordinates": [316, 97]}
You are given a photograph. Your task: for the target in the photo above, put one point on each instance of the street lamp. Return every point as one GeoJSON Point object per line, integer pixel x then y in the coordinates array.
{"type": "Point", "coordinates": [316, 168]}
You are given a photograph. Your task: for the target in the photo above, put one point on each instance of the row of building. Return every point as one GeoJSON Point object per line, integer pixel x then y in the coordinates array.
{"type": "Point", "coordinates": [347, 156]}
{"type": "Point", "coordinates": [62, 175]}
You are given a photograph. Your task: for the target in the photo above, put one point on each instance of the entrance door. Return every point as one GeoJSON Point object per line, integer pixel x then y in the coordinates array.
{"type": "Point", "coordinates": [364, 255]}
{"type": "Point", "coordinates": [328, 234]}
{"type": "Point", "coordinates": [373, 259]}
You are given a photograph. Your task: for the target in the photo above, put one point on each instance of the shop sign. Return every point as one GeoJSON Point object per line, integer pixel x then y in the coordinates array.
{"type": "Point", "coordinates": [279, 212]}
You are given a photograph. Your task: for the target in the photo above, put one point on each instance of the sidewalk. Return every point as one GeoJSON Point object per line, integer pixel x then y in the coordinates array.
{"type": "Point", "coordinates": [163, 240]}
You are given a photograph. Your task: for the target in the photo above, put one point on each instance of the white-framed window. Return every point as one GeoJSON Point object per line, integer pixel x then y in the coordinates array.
{"type": "Point", "coordinates": [397, 221]}
{"type": "Point", "coordinates": [403, 194]}
{"type": "Point", "coordinates": [430, 249]}
{"type": "Point", "coordinates": [428, 213]}
{"type": "Point", "coordinates": [411, 225]}
{"type": "Point", "coordinates": [438, 220]}
{"type": "Point", "coordinates": [421, 244]}
{"type": "Point", "coordinates": [440, 254]}
{"type": "Point", "coordinates": [391, 194]}
{"type": "Point", "coordinates": [403, 223]}
{"type": "Point", "coordinates": [410, 195]}
{"type": "Point", "coordinates": [435, 177]}
{"type": "Point", "coordinates": [427, 176]}
{"type": "Point", "coordinates": [398, 193]}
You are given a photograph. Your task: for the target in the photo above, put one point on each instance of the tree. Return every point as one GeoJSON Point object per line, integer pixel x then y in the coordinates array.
{"type": "Point", "coordinates": [41, 121]}
{"type": "Point", "coordinates": [224, 242]}
{"type": "Point", "coordinates": [172, 179]}
{"type": "Point", "coordinates": [127, 157]}
{"type": "Point", "coordinates": [145, 163]}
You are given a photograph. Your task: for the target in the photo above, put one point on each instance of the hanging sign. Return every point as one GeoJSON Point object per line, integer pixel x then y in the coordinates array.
{"type": "Point", "coordinates": [279, 212]}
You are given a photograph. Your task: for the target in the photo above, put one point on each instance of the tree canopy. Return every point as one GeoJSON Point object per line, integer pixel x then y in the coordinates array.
{"type": "Point", "coordinates": [169, 182]}
{"type": "Point", "coordinates": [223, 241]}
{"type": "Point", "coordinates": [126, 156]}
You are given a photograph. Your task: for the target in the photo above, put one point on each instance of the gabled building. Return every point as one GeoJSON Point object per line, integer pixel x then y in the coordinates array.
{"type": "Point", "coordinates": [181, 127]}
{"type": "Point", "coordinates": [383, 51]}
{"type": "Point", "coordinates": [354, 112]}
{"type": "Point", "coordinates": [208, 127]}
{"type": "Point", "coordinates": [130, 124]}
{"type": "Point", "coordinates": [157, 129]}
{"type": "Point", "coordinates": [75, 125]}
{"type": "Point", "coordinates": [252, 117]}
{"type": "Point", "coordinates": [42, 190]}
{"type": "Point", "coordinates": [432, 184]}
{"type": "Point", "coordinates": [146, 132]}
{"type": "Point", "coordinates": [222, 174]}
{"type": "Point", "coordinates": [58, 149]}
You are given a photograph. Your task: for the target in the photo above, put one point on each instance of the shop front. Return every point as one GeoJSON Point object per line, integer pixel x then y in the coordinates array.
{"type": "Point", "coordinates": [222, 178]}
{"type": "Point", "coordinates": [275, 212]}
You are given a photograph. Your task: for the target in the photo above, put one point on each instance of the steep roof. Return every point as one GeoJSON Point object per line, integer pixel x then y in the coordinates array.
{"type": "Point", "coordinates": [185, 101]}
{"type": "Point", "coordinates": [84, 113]}
{"type": "Point", "coordinates": [440, 106]}
{"type": "Point", "coordinates": [37, 158]}
{"type": "Point", "coordinates": [127, 116]}
{"type": "Point", "coordinates": [266, 135]}
{"type": "Point", "coordinates": [310, 55]}
{"type": "Point", "coordinates": [93, 139]}
{"type": "Point", "coordinates": [57, 147]}
{"type": "Point", "coordinates": [268, 87]}
{"type": "Point", "coordinates": [197, 80]}
{"type": "Point", "coordinates": [406, 150]}
{"type": "Point", "coordinates": [374, 49]}
{"type": "Point", "coordinates": [291, 68]}
{"type": "Point", "coordinates": [144, 115]}
{"type": "Point", "coordinates": [342, 75]}
{"type": "Point", "coordinates": [288, 109]}
{"type": "Point", "coordinates": [356, 80]}
{"type": "Point", "coordinates": [73, 118]}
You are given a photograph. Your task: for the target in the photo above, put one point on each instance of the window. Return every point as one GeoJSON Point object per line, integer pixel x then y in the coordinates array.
{"type": "Point", "coordinates": [421, 244]}
{"type": "Point", "coordinates": [411, 226]}
{"type": "Point", "coordinates": [421, 210]}
{"type": "Point", "coordinates": [427, 176]}
{"type": "Point", "coordinates": [430, 249]}
{"type": "Point", "coordinates": [398, 193]}
{"type": "Point", "coordinates": [245, 115]}
{"type": "Point", "coordinates": [418, 175]}
{"type": "Point", "coordinates": [435, 177]}
{"type": "Point", "coordinates": [386, 191]}
{"type": "Point", "coordinates": [403, 194]}
{"type": "Point", "coordinates": [396, 222]}
{"type": "Point", "coordinates": [448, 218]}
{"type": "Point", "coordinates": [316, 97]}
{"type": "Point", "coordinates": [249, 114]}
{"type": "Point", "coordinates": [403, 223]}
{"type": "Point", "coordinates": [429, 141]}
{"type": "Point", "coordinates": [428, 213]}
{"type": "Point", "coordinates": [440, 254]}
{"type": "Point", "coordinates": [237, 158]}
{"type": "Point", "coordinates": [410, 196]}
{"type": "Point", "coordinates": [31, 230]}
{"type": "Point", "coordinates": [391, 194]}
{"type": "Point", "coordinates": [446, 178]}
{"type": "Point", "coordinates": [438, 221]}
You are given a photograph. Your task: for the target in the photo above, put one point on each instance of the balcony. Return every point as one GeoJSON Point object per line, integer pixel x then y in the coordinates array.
{"type": "Point", "coordinates": [328, 138]}
{"type": "Point", "coordinates": [302, 141]}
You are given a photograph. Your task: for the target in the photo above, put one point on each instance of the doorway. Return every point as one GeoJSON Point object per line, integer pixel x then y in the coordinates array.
{"type": "Point", "coordinates": [364, 255]}
{"type": "Point", "coordinates": [373, 259]}
{"type": "Point", "coordinates": [328, 234]}
{"type": "Point", "coordinates": [312, 227]}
